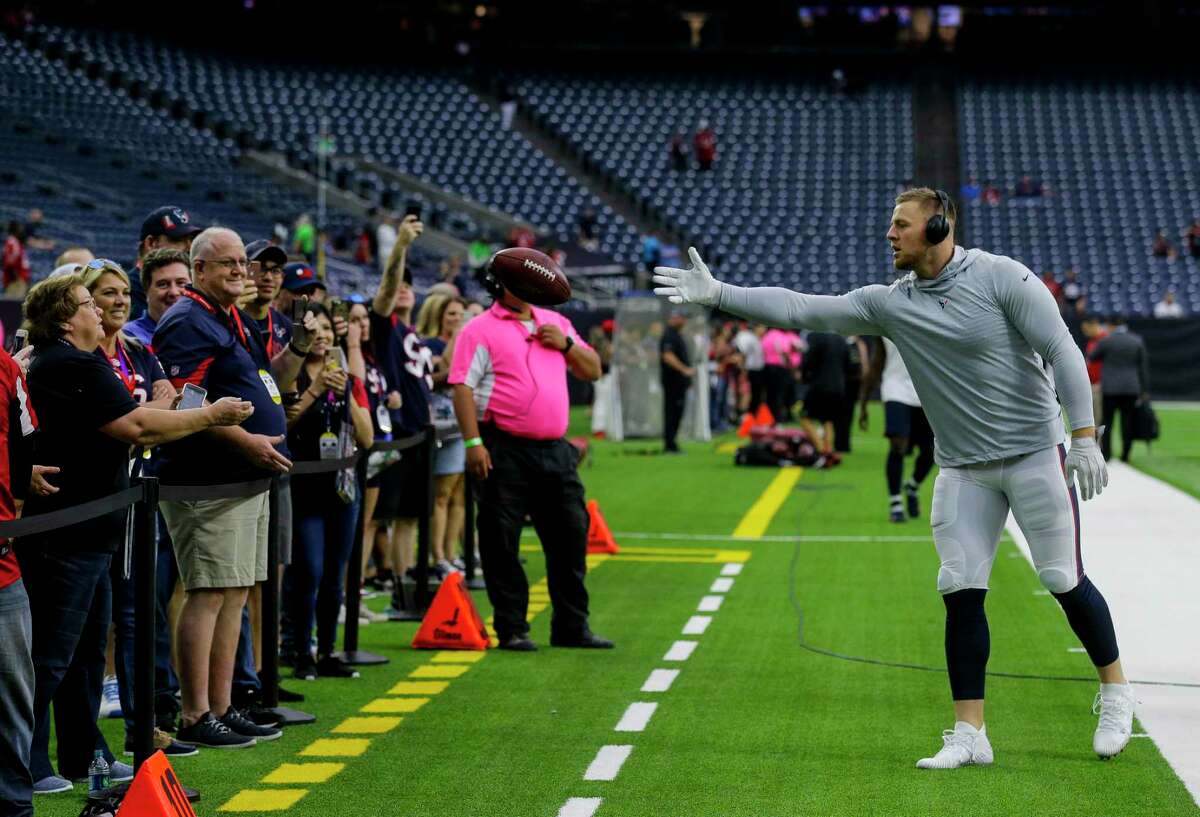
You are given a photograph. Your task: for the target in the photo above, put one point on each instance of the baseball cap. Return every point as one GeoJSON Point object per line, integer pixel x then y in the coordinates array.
{"type": "Point", "coordinates": [263, 250]}
{"type": "Point", "coordinates": [171, 221]}
{"type": "Point", "coordinates": [299, 275]}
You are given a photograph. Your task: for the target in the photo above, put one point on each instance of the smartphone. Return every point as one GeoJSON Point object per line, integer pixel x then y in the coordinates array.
{"type": "Point", "coordinates": [193, 396]}
{"type": "Point", "coordinates": [413, 209]}
{"type": "Point", "coordinates": [340, 308]}
{"type": "Point", "coordinates": [336, 359]}
{"type": "Point", "coordinates": [299, 307]}
{"type": "Point", "coordinates": [19, 340]}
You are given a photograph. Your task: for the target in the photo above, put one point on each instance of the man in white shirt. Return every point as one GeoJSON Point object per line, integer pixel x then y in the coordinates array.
{"type": "Point", "coordinates": [748, 342]}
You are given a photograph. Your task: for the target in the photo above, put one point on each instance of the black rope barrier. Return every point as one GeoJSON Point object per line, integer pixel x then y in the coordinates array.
{"type": "Point", "coordinates": [144, 497]}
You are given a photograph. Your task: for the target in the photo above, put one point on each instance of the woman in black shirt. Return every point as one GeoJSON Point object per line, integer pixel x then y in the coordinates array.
{"type": "Point", "coordinates": [330, 416]}
{"type": "Point", "coordinates": [87, 421]}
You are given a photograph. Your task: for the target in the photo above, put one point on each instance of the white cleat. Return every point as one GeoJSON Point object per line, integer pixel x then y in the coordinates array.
{"type": "Point", "coordinates": [964, 745]}
{"type": "Point", "coordinates": [1115, 707]}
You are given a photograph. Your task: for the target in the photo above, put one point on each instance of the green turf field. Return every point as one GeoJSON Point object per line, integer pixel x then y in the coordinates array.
{"type": "Point", "coordinates": [1175, 456]}
{"type": "Point", "coordinates": [754, 725]}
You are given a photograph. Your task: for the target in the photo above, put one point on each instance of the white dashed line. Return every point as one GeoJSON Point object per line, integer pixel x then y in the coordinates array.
{"type": "Point", "coordinates": [1076, 649]}
{"type": "Point", "coordinates": [1041, 592]}
{"type": "Point", "coordinates": [721, 585]}
{"type": "Point", "coordinates": [696, 625]}
{"type": "Point", "coordinates": [608, 763]}
{"type": "Point", "coordinates": [636, 717]}
{"type": "Point", "coordinates": [681, 651]}
{"type": "Point", "coordinates": [732, 569]}
{"type": "Point", "coordinates": [660, 680]}
{"type": "Point", "coordinates": [710, 604]}
{"type": "Point", "coordinates": [580, 807]}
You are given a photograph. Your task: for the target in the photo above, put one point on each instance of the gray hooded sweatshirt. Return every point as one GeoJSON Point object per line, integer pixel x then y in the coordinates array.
{"type": "Point", "coordinates": [971, 339]}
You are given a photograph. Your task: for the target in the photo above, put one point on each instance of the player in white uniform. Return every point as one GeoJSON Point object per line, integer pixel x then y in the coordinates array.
{"type": "Point", "coordinates": [904, 425]}
{"type": "Point", "coordinates": [974, 329]}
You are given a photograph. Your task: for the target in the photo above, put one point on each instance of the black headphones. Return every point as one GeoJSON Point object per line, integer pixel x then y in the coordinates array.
{"type": "Point", "coordinates": [938, 226]}
{"type": "Point", "coordinates": [488, 280]}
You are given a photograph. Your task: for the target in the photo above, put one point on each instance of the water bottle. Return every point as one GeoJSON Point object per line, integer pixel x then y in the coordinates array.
{"type": "Point", "coordinates": [98, 775]}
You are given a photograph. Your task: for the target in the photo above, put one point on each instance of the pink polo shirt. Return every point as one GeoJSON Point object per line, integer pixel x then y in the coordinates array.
{"type": "Point", "coordinates": [519, 384]}
{"type": "Point", "coordinates": [777, 347]}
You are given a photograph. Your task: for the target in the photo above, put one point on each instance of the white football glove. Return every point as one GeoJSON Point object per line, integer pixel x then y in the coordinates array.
{"type": "Point", "coordinates": [1085, 465]}
{"type": "Point", "coordinates": [688, 286]}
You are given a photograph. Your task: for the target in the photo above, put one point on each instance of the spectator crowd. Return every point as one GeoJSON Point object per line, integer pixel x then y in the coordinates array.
{"type": "Point", "coordinates": [211, 358]}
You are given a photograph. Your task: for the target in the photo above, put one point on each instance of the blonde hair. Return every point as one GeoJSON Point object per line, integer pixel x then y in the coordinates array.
{"type": "Point", "coordinates": [927, 195]}
{"type": "Point", "coordinates": [91, 279]}
{"type": "Point", "coordinates": [429, 316]}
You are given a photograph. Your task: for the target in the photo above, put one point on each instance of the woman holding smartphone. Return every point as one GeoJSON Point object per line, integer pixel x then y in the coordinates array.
{"type": "Point", "coordinates": [330, 417]}
{"type": "Point", "coordinates": [87, 419]}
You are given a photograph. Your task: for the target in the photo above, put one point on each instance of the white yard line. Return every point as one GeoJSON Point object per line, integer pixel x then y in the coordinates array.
{"type": "Point", "coordinates": [721, 585]}
{"type": "Point", "coordinates": [1140, 547]}
{"type": "Point", "coordinates": [580, 807]}
{"type": "Point", "coordinates": [696, 625]}
{"type": "Point", "coordinates": [660, 680]}
{"type": "Point", "coordinates": [681, 651]}
{"type": "Point", "coordinates": [636, 717]}
{"type": "Point", "coordinates": [682, 536]}
{"type": "Point", "coordinates": [608, 762]}
{"type": "Point", "coordinates": [710, 604]}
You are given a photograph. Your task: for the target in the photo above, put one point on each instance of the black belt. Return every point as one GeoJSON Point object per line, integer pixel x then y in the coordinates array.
{"type": "Point", "coordinates": [491, 432]}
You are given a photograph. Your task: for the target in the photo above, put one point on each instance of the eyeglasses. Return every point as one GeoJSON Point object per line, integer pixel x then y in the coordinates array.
{"type": "Point", "coordinates": [232, 263]}
{"type": "Point", "coordinates": [90, 303]}
{"type": "Point", "coordinates": [257, 268]}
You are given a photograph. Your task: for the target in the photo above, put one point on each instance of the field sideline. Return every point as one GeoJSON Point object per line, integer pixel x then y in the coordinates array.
{"type": "Point", "coordinates": [753, 724]}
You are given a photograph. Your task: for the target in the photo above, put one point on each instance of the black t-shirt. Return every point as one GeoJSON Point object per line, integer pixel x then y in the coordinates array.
{"type": "Point", "coordinates": [331, 412]}
{"type": "Point", "coordinates": [672, 378]}
{"type": "Point", "coordinates": [826, 362]}
{"type": "Point", "coordinates": [407, 363]}
{"type": "Point", "coordinates": [74, 394]}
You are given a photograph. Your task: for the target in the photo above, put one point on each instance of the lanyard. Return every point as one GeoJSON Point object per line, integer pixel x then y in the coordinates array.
{"type": "Point", "coordinates": [234, 320]}
{"type": "Point", "coordinates": [123, 366]}
{"type": "Point", "coordinates": [270, 334]}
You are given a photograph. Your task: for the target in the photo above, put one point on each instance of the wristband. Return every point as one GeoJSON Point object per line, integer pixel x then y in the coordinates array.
{"type": "Point", "coordinates": [296, 350]}
{"type": "Point", "coordinates": [570, 343]}
{"type": "Point", "coordinates": [474, 441]}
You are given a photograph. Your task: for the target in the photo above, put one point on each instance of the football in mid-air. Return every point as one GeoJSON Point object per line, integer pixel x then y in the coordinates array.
{"type": "Point", "coordinates": [531, 275]}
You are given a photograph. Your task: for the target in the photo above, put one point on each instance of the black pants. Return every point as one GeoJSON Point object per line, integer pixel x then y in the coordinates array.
{"type": "Point", "coordinates": [843, 424]}
{"type": "Point", "coordinates": [537, 477]}
{"type": "Point", "coordinates": [1112, 403]}
{"type": "Point", "coordinates": [777, 387]}
{"type": "Point", "coordinates": [674, 399]}
{"type": "Point", "coordinates": [758, 388]}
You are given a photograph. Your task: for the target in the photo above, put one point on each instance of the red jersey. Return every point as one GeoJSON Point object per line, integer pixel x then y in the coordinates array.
{"type": "Point", "coordinates": [17, 424]}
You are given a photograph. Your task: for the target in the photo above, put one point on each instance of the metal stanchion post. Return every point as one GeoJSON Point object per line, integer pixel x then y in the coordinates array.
{"type": "Point", "coordinates": [269, 636]}
{"type": "Point", "coordinates": [145, 620]}
{"type": "Point", "coordinates": [351, 654]}
{"type": "Point", "coordinates": [473, 582]}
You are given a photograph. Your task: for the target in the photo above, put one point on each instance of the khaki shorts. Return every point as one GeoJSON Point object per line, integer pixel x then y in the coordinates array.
{"type": "Point", "coordinates": [219, 542]}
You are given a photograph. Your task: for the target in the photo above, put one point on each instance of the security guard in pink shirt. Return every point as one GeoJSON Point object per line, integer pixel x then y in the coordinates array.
{"type": "Point", "coordinates": [510, 394]}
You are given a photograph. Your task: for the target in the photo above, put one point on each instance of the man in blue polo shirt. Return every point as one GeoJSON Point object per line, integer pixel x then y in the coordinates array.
{"type": "Point", "coordinates": [220, 544]}
{"type": "Point", "coordinates": [167, 227]}
{"type": "Point", "coordinates": [165, 274]}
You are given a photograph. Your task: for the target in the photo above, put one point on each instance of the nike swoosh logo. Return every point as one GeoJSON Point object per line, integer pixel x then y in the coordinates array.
{"type": "Point", "coordinates": [1026, 278]}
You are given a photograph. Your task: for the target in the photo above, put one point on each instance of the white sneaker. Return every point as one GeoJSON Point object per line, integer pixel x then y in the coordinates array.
{"type": "Point", "coordinates": [110, 698]}
{"type": "Point", "coordinates": [963, 745]}
{"type": "Point", "coordinates": [1114, 703]}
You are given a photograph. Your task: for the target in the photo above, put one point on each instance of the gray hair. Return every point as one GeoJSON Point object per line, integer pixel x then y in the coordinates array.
{"type": "Point", "coordinates": [202, 243]}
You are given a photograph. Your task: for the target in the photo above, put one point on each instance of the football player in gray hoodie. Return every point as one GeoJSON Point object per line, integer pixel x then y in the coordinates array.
{"type": "Point", "coordinates": [974, 330]}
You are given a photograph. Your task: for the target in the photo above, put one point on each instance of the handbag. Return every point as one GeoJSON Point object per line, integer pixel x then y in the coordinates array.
{"type": "Point", "coordinates": [1145, 422]}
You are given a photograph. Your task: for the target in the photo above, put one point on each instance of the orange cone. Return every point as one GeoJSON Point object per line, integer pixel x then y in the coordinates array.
{"type": "Point", "coordinates": [452, 622]}
{"type": "Point", "coordinates": [747, 424]}
{"type": "Point", "coordinates": [764, 416]}
{"type": "Point", "coordinates": [155, 792]}
{"type": "Point", "coordinates": [600, 538]}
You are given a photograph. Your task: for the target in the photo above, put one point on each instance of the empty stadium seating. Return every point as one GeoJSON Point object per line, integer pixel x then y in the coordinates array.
{"type": "Point", "coordinates": [424, 123]}
{"type": "Point", "coordinates": [803, 179]}
{"type": "Point", "coordinates": [1120, 159]}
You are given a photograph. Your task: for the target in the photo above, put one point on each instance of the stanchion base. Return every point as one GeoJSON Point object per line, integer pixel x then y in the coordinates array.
{"type": "Point", "coordinates": [291, 717]}
{"type": "Point", "coordinates": [405, 615]}
{"type": "Point", "coordinates": [121, 789]}
{"type": "Point", "coordinates": [362, 658]}
{"type": "Point", "coordinates": [476, 584]}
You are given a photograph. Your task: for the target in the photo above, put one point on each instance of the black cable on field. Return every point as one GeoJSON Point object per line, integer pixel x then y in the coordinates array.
{"type": "Point", "coordinates": [880, 662]}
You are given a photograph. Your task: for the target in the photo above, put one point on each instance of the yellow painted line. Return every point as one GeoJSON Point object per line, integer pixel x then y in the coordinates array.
{"type": "Point", "coordinates": [394, 706]}
{"type": "Point", "coordinates": [304, 772]}
{"type": "Point", "coordinates": [758, 518]}
{"type": "Point", "coordinates": [534, 609]}
{"type": "Point", "coordinates": [728, 448]}
{"type": "Point", "coordinates": [458, 657]}
{"type": "Point", "coordinates": [336, 747]}
{"type": "Point", "coordinates": [439, 671]}
{"type": "Point", "coordinates": [263, 800]}
{"type": "Point", "coordinates": [419, 688]}
{"type": "Point", "coordinates": [670, 555]}
{"type": "Point", "coordinates": [366, 726]}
